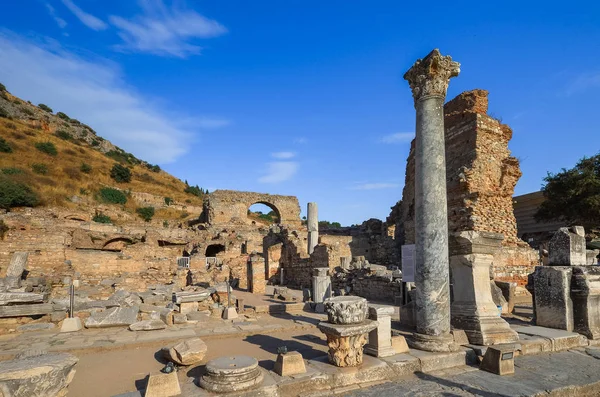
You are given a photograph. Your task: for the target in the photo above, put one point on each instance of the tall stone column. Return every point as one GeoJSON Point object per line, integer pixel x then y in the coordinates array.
{"type": "Point", "coordinates": [313, 227]}
{"type": "Point", "coordinates": [428, 79]}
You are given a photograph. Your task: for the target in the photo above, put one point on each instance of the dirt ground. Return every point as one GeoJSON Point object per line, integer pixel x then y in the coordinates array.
{"type": "Point", "coordinates": [105, 374]}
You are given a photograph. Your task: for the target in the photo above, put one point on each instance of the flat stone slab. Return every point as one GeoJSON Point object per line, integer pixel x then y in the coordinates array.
{"type": "Point", "coordinates": [147, 325]}
{"type": "Point", "coordinates": [114, 317]}
{"type": "Point", "coordinates": [7, 298]}
{"type": "Point", "coordinates": [188, 352]}
{"type": "Point", "coordinates": [35, 327]}
{"type": "Point", "coordinates": [561, 340]}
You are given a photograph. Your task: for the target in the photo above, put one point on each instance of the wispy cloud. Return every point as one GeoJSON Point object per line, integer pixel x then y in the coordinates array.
{"type": "Point", "coordinates": [300, 140]}
{"type": "Point", "coordinates": [283, 155]}
{"type": "Point", "coordinates": [59, 21]}
{"type": "Point", "coordinates": [165, 31]}
{"type": "Point", "coordinates": [374, 186]}
{"type": "Point", "coordinates": [93, 91]}
{"type": "Point", "coordinates": [88, 20]}
{"type": "Point", "coordinates": [399, 137]}
{"type": "Point", "coordinates": [583, 82]}
{"type": "Point", "coordinates": [279, 171]}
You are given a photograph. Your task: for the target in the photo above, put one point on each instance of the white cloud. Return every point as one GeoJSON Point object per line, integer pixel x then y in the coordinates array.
{"type": "Point", "coordinates": [165, 31]}
{"type": "Point", "coordinates": [283, 155]}
{"type": "Point", "coordinates": [400, 137]}
{"type": "Point", "coordinates": [87, 19]}
{"type": "Point", "coordinates": [374, 186]}
{"type": "Point", "coordinates": [279, 171]}
{"type": "Point", "coordinates": [59, 21]}
{"type": "Point", "coordinates": [93, 92]}
{"type": "Point", "coordinates": [583, 82]}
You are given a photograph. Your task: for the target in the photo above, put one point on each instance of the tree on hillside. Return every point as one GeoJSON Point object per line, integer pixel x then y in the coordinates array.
{"type": "Point", "coordinates": [329, 225]}
{"type": "Point", "coordinates": [573, 195]}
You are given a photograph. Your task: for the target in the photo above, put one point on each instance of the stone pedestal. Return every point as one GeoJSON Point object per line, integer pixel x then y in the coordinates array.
{"type": "Point", "coordinates": [552, 298]}
{"type": "Point", "coordinates": [72, 324]}
{"type": "Point", "coordinates": [312, 222]}
{"type": "Point", "coordinates": [230, 313]}
{"type": "Point", "coordinates": [346, 342]}
{"type": "Point", "coordinates": [163, 385]}
{"type": "Point", "coordinates": [256, 275]}
{"type": "Point", "coordinates": [380, 339]}
{"type": "Point", "coordinates": [231, 374]}
{"type": "Point", "coordinates": [321, 284]}
{"type": "Point", "coordinates": [428, 79]}
{"type": "Point", "coordinates": [290, 363]}
{"type": "Point", "coordinates": [567, 247]}
{"type": "Point", "coordinates": [585, 293]}
{"type": "Point", "coordinates": [473, 309]}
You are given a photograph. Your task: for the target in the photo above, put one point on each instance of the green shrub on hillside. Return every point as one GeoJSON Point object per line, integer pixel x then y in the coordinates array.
{"type": "Point", "coordinates": [2, 87]}
{"type": "Point", "coordinates": [4, 146]}
{"type": "Point", "coordinates": [45, 108]}
{"type": "Point", "coordinates": [110, 195]}
{"type": "Point", "coordinates": [168, 200]}
{"type": "Point", "coordinates": [122, 157]}
{"type": "Point", "coordinates": [39, 168]}
{"type": "Point", "coordinates": [101, 218]}
{"type": "Point", "coordinates": [12, 171]}
{"type": "Point", "coordinates": [120, 174]}
{"type": "Point", "coordinates": [16, 194]}
{"type": "Point", "coordinates": [63, 116]}
{"type": "Point", "coordinates": [95, 142]}
{"type": "Point", "coordinates": [146, 213]}
{"type": "Point", "coordinates": [46, 147]}
{"type": "Point", "coordinates": [153, 168]}
{"type": "Point", "coordinates": [195, 190]}
{"type": "Point", "coordinates": [62, 134]}
{"type": "Point", "coordinates": [85, 168]}
{"type": "Point", "coordinates": [26, 111]}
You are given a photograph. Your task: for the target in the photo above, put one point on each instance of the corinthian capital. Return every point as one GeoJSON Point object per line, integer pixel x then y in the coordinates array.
{"type": "Point", "coordinates": [430, 76]}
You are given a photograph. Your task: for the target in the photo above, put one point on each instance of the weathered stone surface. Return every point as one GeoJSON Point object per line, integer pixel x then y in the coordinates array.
{"type": "Point", "coordinates": [17, 265]}
{"type": "Point", "coordinates": [290, 363]}
{"type": "Point", "coordinates": [163, 385]}
{"type": "Point", "coordinates": [256, 274]}
{"type": "Point", "coordinates": [380, 339]}
{"type": "Point", "coordinates": [191, 296]}
{"type": "Point", "coordinates": [147, 325]}
{"type": "Point", "coordinates": [399, 344]}
{"type": "Point", "coordinates": [26, 310]}
{"type": "Point", "coordinates": [179, 318]}
{"type": "Point", "coordinates": [231, 374]}
{"type": "Point", "coordinates": [592, 257]}
{"type": "Point", "coordinates": [187, 352]}
{"type": "Point", "coordinates": [508, 292]}
{"type": "Point", "coordinates": [585, 293]}
{"type": "Point", "coordinates": [39, 376]}
{"type": "Point", "coordinates": [35, 327]}
{"type": "Point", "coordinates": [312, 224]}
{"type": "Point", "coordinates": [230, 313]}
{"type": "Point", "coordinates": [7, 298]}
{"type": "Point", "coordinates": [72, 324]}
{"type": "Point", "coordinates": [166, 316]}
{"type": "Point", "coordinates": [567, 247]}
{"type": "Point", "coordinates": [346, 309]}
{"type": "Point", "coordinates": [346, 341]}
{"type": "Point", "coordinates": [552, 298]}
{"type": "Point", "coordinates": [114, 317]}
{"type": "Point", "coordinates": [188, 307]}
{"type": "Point", "coordinates": [499, 360]}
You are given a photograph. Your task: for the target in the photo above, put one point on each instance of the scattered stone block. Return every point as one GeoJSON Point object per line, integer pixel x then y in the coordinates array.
{"type": "Point", "coordinates": [187, 307]}
{"type": "Point", "coordinates": [179, 318]}
{"type": "Point", "coordinates": [48, 375]}
{"type": "Point", "coordinates": [585, 292]}
{"type": "Point", "coordinates": [188, 352]}
{"type": "Point", "coordinates": [216, 312]}
{"type": "Point", "coordinates": [17, 266]}
{"type": "Point", "coordinates": [26, 310]}
{"type": "Point", "coordinates": [499, 360]}
{"type": "Point", "coordinates": [567, 247]}
{"type": "Point", "coordinates": [552, 298]}
{"type": "Point", "coordinates": [191, 296]}
{"type": "Point", "coordinates": [147, 325]}
{"type": "Point", "coordinates": [163, 385]}
{"type": "Point", "coordinates": [114, 317]}
{"type": "Point", "coordinates": [239, 302]}
{"type": "Point", "coordinates": [380, 339]}
{"type": "Point", "coordinates": [7, 298]}
{"type": "Point", "coordinates": [166, 316]}
{"type": "Point", "coordinates": [198, 316]}
{"type": "Point", "coordinates": [508, 291]}
{"type": "Point", "coordinates": [291, 363]}
{"type": "Point", "coordinates": [399, 344]}
{"type": "Point", "coordinates": [55, 317]}
{"type": "Point", "coordinates": [72, 324]}
{"type": "Point", "coordinates": [35, 327]}
{"type": "Point", "coordinates": [230, 313]}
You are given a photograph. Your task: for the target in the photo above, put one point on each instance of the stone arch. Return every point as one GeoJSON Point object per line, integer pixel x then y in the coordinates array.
{"type": "Point", "coordinates": [117, 244]}
{"type": "Point", "coordinates": [270, 206]}
{"type": "Point", "coordinates": [231, 207]}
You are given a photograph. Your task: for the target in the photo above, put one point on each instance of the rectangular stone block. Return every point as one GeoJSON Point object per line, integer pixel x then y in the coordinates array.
{"type": "Point", "coordinates": [380, 339]}
{"type": "Point", "coordinates": [163, 385]}
{"type": "Point", "coordinates": [553, 304]}
{"type": "Point", "coordinates": [567, 247]}
{"type": "Point", "coordinates": [187, 307]}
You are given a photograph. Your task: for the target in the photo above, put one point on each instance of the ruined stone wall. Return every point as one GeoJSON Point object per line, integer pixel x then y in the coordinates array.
{"type": "Point", "coordinates": [231, 207]}
{"type": "Point", "coordinates": [293, 255]}
{"type": "Point", "coordinates": [481, 177]}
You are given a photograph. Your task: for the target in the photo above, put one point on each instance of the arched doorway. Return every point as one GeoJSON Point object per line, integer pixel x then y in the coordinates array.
{"type": "Point", "coordinates": [213, 249]}
{"type": "Point", "coordinates": [264, 213]}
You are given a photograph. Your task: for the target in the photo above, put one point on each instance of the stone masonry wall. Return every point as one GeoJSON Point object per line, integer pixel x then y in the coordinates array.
{"type": "Point", "coordinates": [481, 177]}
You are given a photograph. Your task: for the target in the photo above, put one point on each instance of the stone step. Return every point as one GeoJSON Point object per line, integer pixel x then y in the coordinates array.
{"type": "Point", "coordinates": [25, 310]}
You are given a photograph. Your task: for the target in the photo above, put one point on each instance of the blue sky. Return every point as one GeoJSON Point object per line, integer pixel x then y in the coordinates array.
{"type": "Point", "coordinates": [304, 97]}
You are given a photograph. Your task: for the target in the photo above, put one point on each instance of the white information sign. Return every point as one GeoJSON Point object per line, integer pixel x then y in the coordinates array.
{"type": "Point", "coordinates": [408, 263]}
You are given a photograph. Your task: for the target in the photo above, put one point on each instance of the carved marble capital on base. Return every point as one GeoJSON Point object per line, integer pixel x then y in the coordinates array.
{"type": "Point", "coordinates": [346, 342]}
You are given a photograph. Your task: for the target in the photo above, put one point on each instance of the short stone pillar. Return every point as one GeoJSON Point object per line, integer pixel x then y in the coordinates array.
{"type": "Point", "coordinates": [321, 284]}
{"type": "Point", "coordinates": [380, 339]}
{"type": "Point", "coordinates": [473, 309]}
{"type": "Point", "coordinates": [552, 298]}
{"type": "Point", "coordinates": [567, 247]}
{"type": "Point", "coordinates": [312, 221]}
{"type": "Point", "coordinates": [428, 79]}
{"type": "Point", "coordinates": [346, 329]}
{"type": "Point", "coordinates": [585, 293]}
{"type": "Point", "coordinates": [256, 274]}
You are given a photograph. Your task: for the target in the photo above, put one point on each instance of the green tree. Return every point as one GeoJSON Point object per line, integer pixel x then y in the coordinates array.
{"type": "Point", "coordinates": [120, 173]}
{"type": "Point", "coordinates": [146, 213]}
{"type": "Point", "coordinates": [45, 108]}
{"type": "Point", "coordinates": [16, 194]}
{"type": "Point", "coordinates": [573, 195]}
{"type": "Point", "coordinates": [111, 195]}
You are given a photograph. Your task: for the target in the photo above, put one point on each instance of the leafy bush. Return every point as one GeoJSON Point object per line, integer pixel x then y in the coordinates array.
{"type": "Point", "coordinates": [101, 218]}
{"type": "Point", "coordinates": [62, 134]}
{"type": "Point", "coordinates": [329, 225]}
{"type": "Point", "coordinates": [16, 194]}
{"type": "Point", "coordinates": [110, 195]}
{"type": "Point", "coordinates": [63, 116]}
{"type": "Point", "coordinates": [26, 111]}
{"type": "Point", "coordinates": [146, 213]}
{"type": "Point", "coordinates": [39, 168]}
{"type": "Point", "coordinates": [95, 142]}
{"type": "Point", "coordinates": [12, 171]}
{"type": "Point", "coordinates": [85, 168]}
{"type": "Point", "coordinates": [120, 174]}
{"type": "Point", "coordinates": [4, 146]}
{"type": "Point", "coordinates": [168, 200]}
{"type": "Point", "coordinates": [45, 108]}
{"type": "Point", "coordinates": [46, 147]}
{"type": "Point", "coordinates": [4, 113]}
{"type": "Point", "coordinates": [2, 87]}
{"type": "Point", "coordinates": [153, 168]}
{"type": "Point", "coordinates": [122, 157]}
{"type": "Point", "coordinates": [195, 190]}
{"type": "Point", "coordinates": [75, 122]}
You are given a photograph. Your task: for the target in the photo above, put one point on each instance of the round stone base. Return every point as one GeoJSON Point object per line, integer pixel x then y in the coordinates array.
{"type": "Point", "coordinates": [442, 343]}
{"type": "Point", "coordinates": [231, 374]}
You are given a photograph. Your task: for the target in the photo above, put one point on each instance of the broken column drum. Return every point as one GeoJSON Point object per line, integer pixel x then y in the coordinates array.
{"type": "Point", "coordinates": [231, 374]}
{"type": "Point", "coordinates": [346, 329]}
{"type": "Point", "coordinates": [321, 284]}
{"type": "Point", "coordinates": [428, 79]}
{"type": "Point", "coordinates": [312, 222]}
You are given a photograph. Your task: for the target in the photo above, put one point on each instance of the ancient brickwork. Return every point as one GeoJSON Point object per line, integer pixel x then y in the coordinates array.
{"type": "Point", "coordinates": [481, 177]}
{"type": "Point", "coordinates": [293, 255]}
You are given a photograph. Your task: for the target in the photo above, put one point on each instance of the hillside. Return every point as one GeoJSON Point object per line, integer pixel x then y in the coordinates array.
{"type": "Point", "coordinates": [66, 164]}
